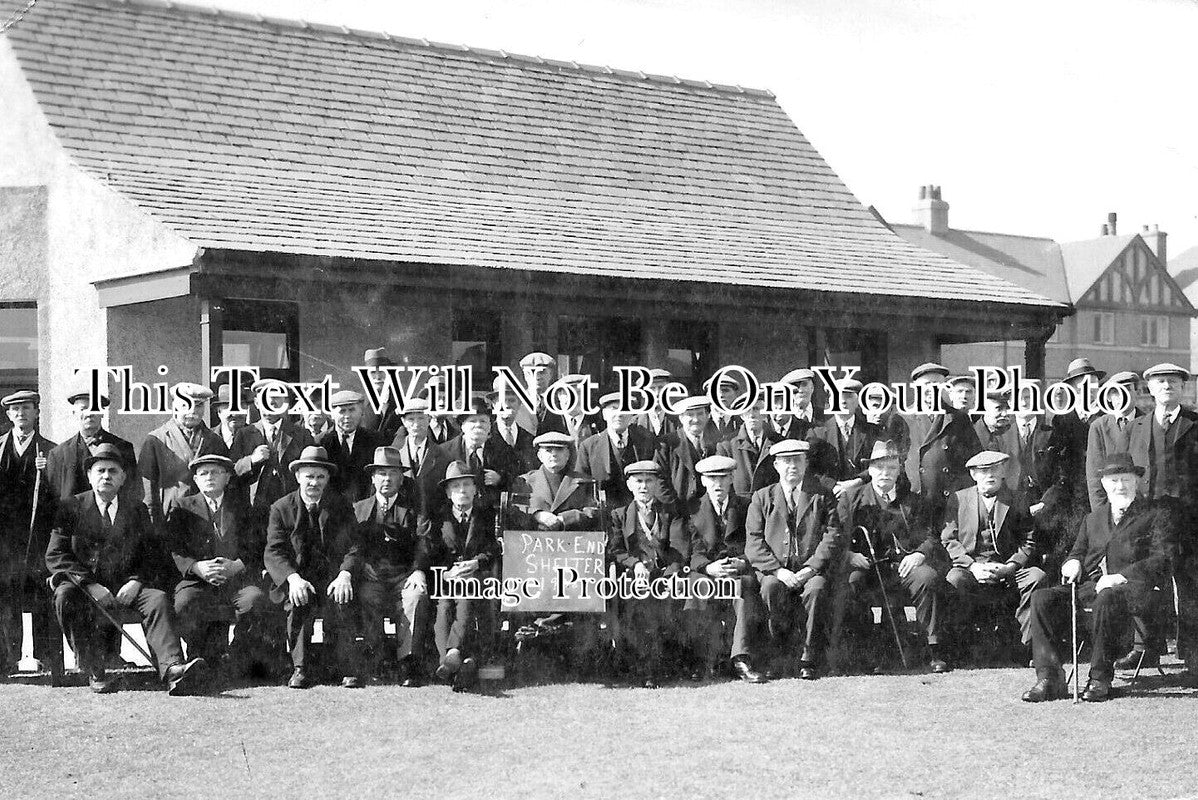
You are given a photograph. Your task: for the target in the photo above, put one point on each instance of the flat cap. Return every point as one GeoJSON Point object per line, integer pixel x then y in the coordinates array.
{"type": "Point", "coordinates": [796, 376]}
{"type": "Point", "coordinates": [987, 458]}
{"type": "Point", "coordinates": [790, 447]}
{"type": "Point", "coordinates": [345, 397]}
{"type": "Point", "coordinates": [955, 379]}
{"type": "Point", "coordinates": [417, 405]}
{"type": "Point", "coordinates": [537, 360]}
{"type": "Point", "coordinates": [609, 399]}
{"type": "Point", "coordinates": [715, 466]}
{"type": "Point", "coordinates": [692, 404]}
{"type": "Point", "coordinates": [23, 396]}
{"type": "Point", "coordinates": [553, 439]}
{"type": "Point", "coordinates": [929, 367]}
{"type": "Point", "coordinates": [193, 390]}
{"type": "Point", "coordinates": [210, 458]}
{"type": "Point", "coordinates": [850, 385]}
{"type": "Point", "coordinates": [1124, 377]}
{"type": "Point", "coordinates": [726, 380]}
{"type": "Point", "coordinates": [642, 468]}
{"type": "Point", "coordinates": [659, 374]}
{"type": "Point", "coordinates": [1161, 370]}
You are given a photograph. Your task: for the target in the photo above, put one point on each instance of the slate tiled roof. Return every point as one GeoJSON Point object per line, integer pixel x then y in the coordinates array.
{"type": "Point", "coordinates": [1086, 261]}
{"type": "Point", "coordinates": [269, 135]}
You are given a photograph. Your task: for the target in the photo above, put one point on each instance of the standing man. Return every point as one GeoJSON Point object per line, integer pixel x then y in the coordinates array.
{"type": "Point", "coordinates": [990, 541]}
{"type": "Point", "coordinates": [217, 549]}
{"type": "Point", "coordinates": [845, 441]}
{"type": "Point", "coordinates": [1071, 437]}
{"type": "Point", "coordinates": [603, 456]}
{"type": "Point", "coordinates": [538, 369]}
{"type": "Point", "coordinates": [941, 442]}
{"type": "Point", "coordinates": [579, 425]}
{"type": "Point", "coordinates": [424, 463]}
{"type": "Point", "coordinates": [23, 538]}
{"type": "Point", "coordinates": [229, 422]}
{"type": "Point", "coordinates": [100, 544]}
{"type": "Point", "coordinates": [169, 448]}
{"type": "Point", "coordinates": [794, 541]}
{"type": "Point", "coordinates": [724, 424]}
{"type": "Point", "coordinates": [510, 432]}
{"type": "Point", "coordinates": [385, 423]}
{"type": "Point", "coordinates": [656, 420]}
{"type": "Point", "coordinates": [750, 450]}
{"type": "Point", "coordinates": [350, 446]}
{"type": "Point", "coordinates": [805, 417]}
{"type": "Point", "coordinates": [313, 554]}
{"type": "Point", "coordinates": [682, 450]}
{"type": "Point", "coordinates": [395, 566]}
{"type": "Point", "coordinates": [262, 454]}
{"type": "Point", "coordinates": [494, 464]}
{"type": "Point", "coordinates": [64, 467]}
{"type": "Point", "coordinates": [1119, 560]}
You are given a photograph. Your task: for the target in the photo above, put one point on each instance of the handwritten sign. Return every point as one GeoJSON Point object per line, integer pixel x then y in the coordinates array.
{"type": "Point", "coordinates": [560, 568]}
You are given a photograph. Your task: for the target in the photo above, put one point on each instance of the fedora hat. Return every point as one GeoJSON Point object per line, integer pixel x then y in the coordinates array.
{"type": "Point", "coordinates": [1119, 464]}
{"type": "Point", "coordinates": [384, 457]}
{"type": "Point", "coordinates": [883, 450]}
{"type": "Point", "coordinates": [314, 456]}
{"type": "Point", "coordinates": [105, 452]}
{"type": "Point", "coordinates": [1080, 367]}
{"type": "Point", "coordinates": [456, 471]}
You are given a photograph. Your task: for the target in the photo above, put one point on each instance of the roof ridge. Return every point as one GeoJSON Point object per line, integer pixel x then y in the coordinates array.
{"type": "Point", "coordinates": [364, 33]}
{"type": "Point", "coordinates": [986, 233]}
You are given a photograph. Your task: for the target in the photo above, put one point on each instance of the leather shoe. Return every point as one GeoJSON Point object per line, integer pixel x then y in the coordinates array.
{"type": "Point", "coordinates": [1044, 690]}
{"type": "Point", "coordinates": [808, 673]}
{"type": "Point", "coordinates": [298, 679]}
{"type": "Point", "coordinates": [744, 670]}
{"type": "Point", "coordinates": [939, 666]}
{"type": "Point", "coordinates": [467, 676]}
{"type": "Point", "coordinates": [352, 682]}
{"type": "Point", "coordinates": [1130, 661]}
{"type": "Point", "coordinates": [1097, 691]}
{"type": "Point", "coordinates": [100, 683]}
{"type": "Point", "coordinates": [451, 662]}
{"type": "Point", "coordinates": [186, 679]}
{"type": "Point", "coordinates": [411, 675]}
{"type": "Point", "coordinates": [650, 683]}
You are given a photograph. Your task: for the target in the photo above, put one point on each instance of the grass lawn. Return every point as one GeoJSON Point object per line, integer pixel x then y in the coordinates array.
{"type": "Point", "coordinates": [964, 734]}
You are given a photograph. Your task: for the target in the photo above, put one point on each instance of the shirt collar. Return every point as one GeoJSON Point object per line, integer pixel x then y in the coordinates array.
{"type": "Point", "coordinates": [384, 503]}
{"type": "Point", "coordinates": [100, 503]}
{"type": "Point", "coordinates": [1171, 417]}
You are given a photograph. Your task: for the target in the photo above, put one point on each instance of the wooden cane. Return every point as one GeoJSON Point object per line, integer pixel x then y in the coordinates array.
{"type": "Point", "coordinates": [28, 663]}
{"type": "Point", "coordinates": [889, 612]}
{"type": "Point", "coordinates": [108, 616]}
{"type": "Point", "coordinates": [1073, 629]}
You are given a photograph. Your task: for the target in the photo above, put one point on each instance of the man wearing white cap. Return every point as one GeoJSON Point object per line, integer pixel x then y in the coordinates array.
{"type": "Point", "coordinates": [538, 369]}
{"type": "Point", "coordinates": [794, 541]}
{"type": "Point", "coordinates": [681, 451]}
{"type": "Point", "coordinates": [262, 453]}
{"type": "Point", "coordinates": [603, 456]}
{"type": "Point", "coordinates": [350, 446]}
{"type": "Point", "coordinates": [805, 417]}
{"type": "Point", "coordinates": [724, 424]}
{"type": "Point", "coordinates": [656, 420]}
{"type": "Point", "coordinates": [990, 538]}
{"type": "Point", "coordinates": [169, 448]}
{"type": "Point", "coordinates": [64, 464]}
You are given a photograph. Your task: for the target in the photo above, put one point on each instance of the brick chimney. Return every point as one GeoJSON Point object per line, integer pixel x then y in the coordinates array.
{"type": "Point", "coordinates": [931, 212]}
{"type": "Point", "coordinates": [1155, 239]}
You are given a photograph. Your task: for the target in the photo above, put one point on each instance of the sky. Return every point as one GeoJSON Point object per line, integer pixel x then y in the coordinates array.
{"type": "Point", "coordinates": [1034, 117]}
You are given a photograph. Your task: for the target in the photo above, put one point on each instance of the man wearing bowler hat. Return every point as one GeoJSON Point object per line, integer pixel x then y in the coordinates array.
{"type": "Point", "coordinates": [386, 421]}
{"type": "Point", "coordinates": [794, 541]}
{"type": "Point", "coordinates": [350, 446]}
{"type": "Point", "coordinates": [1120, 559]}
{"type": "Point", "coordinates": [314, 554]}
{"type": "Point", "coordinates": [64, 464]}
{"type": "Point", "coordinates": [169, 448]}
{"type": "Point", "coordinates": [217, 549]}
{"type": "Point", "coordinates": [23, 539]}
{"type": "Point", "coordinates": [106, 547]}
{"type": "Point", "coordinates": [395, 564]}
{"type": "Point", "coordinates": [262, 453]}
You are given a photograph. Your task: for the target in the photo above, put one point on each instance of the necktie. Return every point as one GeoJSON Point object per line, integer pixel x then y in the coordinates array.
{"type": "Point", "coordinates": [476, 461]}
{"type": "Point", "coordinates": [509, 435]}
{"type": "Point", "coordinates": [1122, 422]}
{"type": "Point", "coordinates": [214, 510]}
{"type": "Point", "coordinates": [274, 441]}
{"type": "Point", "coordinates": [1117, 515]}
{"type": "Point", "coordinates": [1164, 422]}
{"type": "Point", "coordinates": [107, 516]}
{"type": "Point", "coordinates": [621, 441]}
{"type": "Point", "coordinates": [314, 521]}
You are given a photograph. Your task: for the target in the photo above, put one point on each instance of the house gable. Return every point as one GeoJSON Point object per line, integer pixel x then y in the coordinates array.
{"type": "Point", "coordinates": [1136, 280]}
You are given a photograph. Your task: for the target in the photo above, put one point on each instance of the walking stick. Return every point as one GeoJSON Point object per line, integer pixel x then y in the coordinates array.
{"type": "Point", "coordinates": [108, 616]}
{"type": "Point", "coordinates": [1073, 629]}
{"type": "Point", "coordinates": [898, 639]}
{"type": "Point", "coordinates": [28, 664]}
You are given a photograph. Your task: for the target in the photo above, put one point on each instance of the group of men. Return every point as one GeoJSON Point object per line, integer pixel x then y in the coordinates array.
{"type": "Point", "coordinates": [979, 523]}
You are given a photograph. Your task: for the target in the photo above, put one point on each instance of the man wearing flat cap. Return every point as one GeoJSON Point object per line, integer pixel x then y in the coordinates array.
{"type": "Point", "coordinates": [647, 540]}
{"type": "Point", "coordinates": [750, 450]}
{"type": "Point", "coordinates": [23, 538]}
{"type": "Point", "coordinates": [539, 370]}
{"type": "Point", "coordinates": [106, 547]}
{"type": "Point", "coordinates": [990, 538]}
{"type": "Point", "coordinates": [385, 422]}
{"type": "Point", "coordinates": [424, 462]}
{"type": "Point", "coordinates": [579, 424]}
{"type": "Point", "coordinates": [904, 544]}
{"type": "Point", "coordinates": [1119, 562]}
{"type": "Point", "coordinates": [559, 499]}
{"type": "Point", "coordinates": [64, 464]}
{"type": "Point", "coordinates": [604, 455]}
{"type": "Point", "coordinates": [350, 446]}
{"type": "Point", "coordinates": [682, 450]}
{"type": "Point", "coordinates": [494, 464]}
{"type": "Point", "coordinates": [804, 416]}
{"type": "Point", "coordinates": [721, 628]}
{"type": "Point", "coordinates": [655, 420]}
{"type": "Point", "coordinates": [395, 566]}
{"type": "Point", "coordinates": [1165, 443]}
{"type": "Point", "coordinates": [169, 448]}
{"type": "Point", "coordinates": [941, 442]}
{"type": "Point", "coordinates": [724, 424]}
{"type": "Point", "coordinates": [217, 546]}
{"type": "Point", "coordinates": [794, 541]}
{"type": "Point", "coordinates": [262, 453]}
{"type": "Point", "coordinates": [314, 554]}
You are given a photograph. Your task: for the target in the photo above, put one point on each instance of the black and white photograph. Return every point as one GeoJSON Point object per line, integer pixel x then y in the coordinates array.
{"type": "Point", "coordinates": [629, 398]}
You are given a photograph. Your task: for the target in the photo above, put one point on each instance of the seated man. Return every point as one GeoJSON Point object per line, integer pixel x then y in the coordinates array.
{"type": "Point", "coordinates": [648, 540]}
{"type": "Point", "coordinates": [217, 548]}
{"type": "Point", "coordinates": [313, 554]}
{"type": "Point", "coordinates": [559, 499]}
{"type": "Point", "coordinates": [989, 538]}
{"type": "Point", "coordinates": [1121, 555]}
{"type": "Point", "coordinates": [902, 547]}
{"type": "Point", "coordinates": [461, 536]}
{"type": "Point", "coordinates": [395, 565]}
{"type": "Point", "coordinates": [794, 541]}
{"type": "Point", "coordinates": [717, 543]}
{"type": "Point", "coordinates": [100, 542]}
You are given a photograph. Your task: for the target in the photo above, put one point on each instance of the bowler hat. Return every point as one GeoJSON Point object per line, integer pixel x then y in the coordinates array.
{"type": "Point", "coordinates": [105, 452]}
{"type": "Point", "coordinates": [1119, 464]}
{"type": "Point", "coordinates": [314, 456]}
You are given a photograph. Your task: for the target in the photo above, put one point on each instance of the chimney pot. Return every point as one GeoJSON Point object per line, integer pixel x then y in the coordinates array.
{"type": "Point", "coordinates": [931, 213]}
{"type": "Point", "coordinates": [1145, 229]}
{"type": "Point", "coordinates": [923, 193]}
{"type": "Point", "coordinates": [1106, 231]}
{"type": "Point", "coordinates": [1111, 219]}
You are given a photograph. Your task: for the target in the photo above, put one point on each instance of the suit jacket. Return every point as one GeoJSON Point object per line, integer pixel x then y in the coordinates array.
{"type": "Point", "coordinates": [1070, 440]}
{"type": "Point", "coordinates": [165, 455]}
{"type": "Point", "coordinates": [799, 428]}
{"type": "Point", "coordinates": [597, 460]}
{"type": "Point", "coordinates": [449, 541]}
{"type": "Point", "coordinates": [523, 447]}
{"type": "Point", "coordinates": [816, 526]}
{"type": "Point", "coordinates": [351, 478]}
{"type": "Point", "coordinates": [392, 542]}
{"type": "Point", "coordinates": [588, 427]}
{"type": "Point", "coordinates": [1105, 437]}
{"type": "Point", "coordinates": [130, 550]}
{"type": "Point", "coordinates": [386, 424]}
{"type": "Point", "coordinates": [722, 430]}
{"type": "Point", "coordinates": [966, 540]}
{"type": "Point", "coordinates": [192, 537]}
{"type": "Point", "coordinates": [628, 543]}
{"type": "Point", "coordinates": [65, 470]}
{"type": "Point", "coordinates": [895, 530]}
{"type": "Point", "coordinates": [677, 458]}
{"type": "Point", "coordinates": [1140, 548]}
{"type": "Point", "coordinates": [424, 476]}
{"type": "Point", "coordinates": [838, 460]}
{"type": "Point", "coordinates": [269, 480]}
{"type": "Point", "coordinates": [292, 546]}
{"type": "Point", "coordinates": [574, 500]}
{"type": "Point", "coordinates": [449, 430]}
{"type": "Point", "coordinates": [754, 468]}
{"type": "Point", "coordinates": [18, 477]}
{"type": "Point", "coordinates": [1185, 454]}
{"type": "Point", "coordinates": [713, 537]}
{"type": "Point", "coordinates": [669, 425]}
{"type": "Point", "coordinates": [940, 446]}
{"type": "Point", "coordinates": [1006, 441]}
{"type": "Point", "coordinates": [1038, 469]}
{"type": "Point", "coordinates": [497, 456]}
